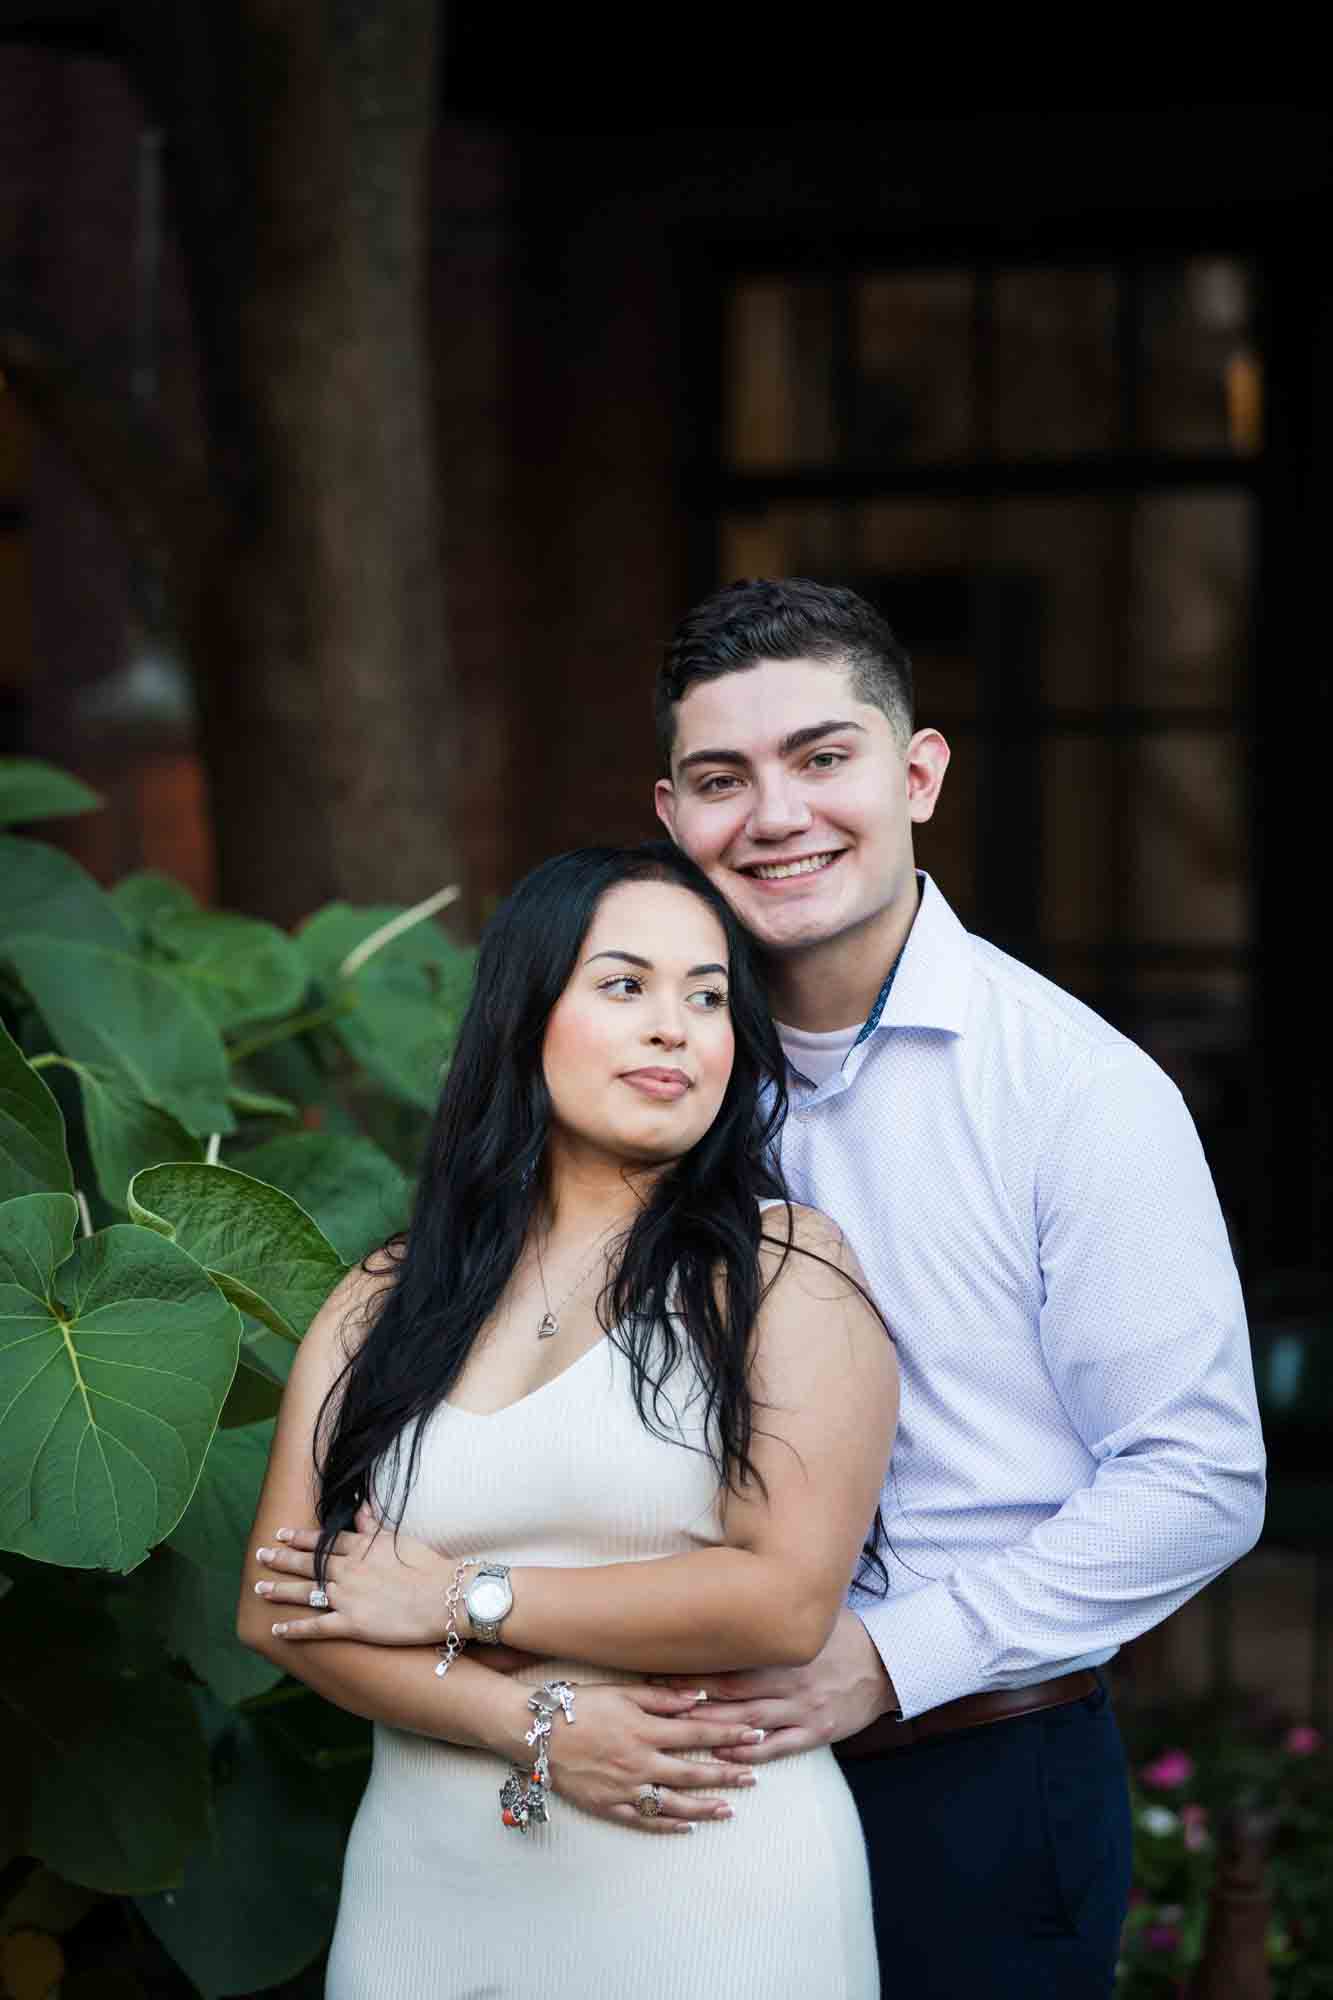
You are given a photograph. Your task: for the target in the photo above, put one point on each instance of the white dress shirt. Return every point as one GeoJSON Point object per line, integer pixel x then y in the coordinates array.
{"type": "Point", "coordinates": [1079, 1448]}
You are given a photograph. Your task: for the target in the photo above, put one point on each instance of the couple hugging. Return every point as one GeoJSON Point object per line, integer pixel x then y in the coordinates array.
{"type": "Point", "coordinates": [744, 1141]}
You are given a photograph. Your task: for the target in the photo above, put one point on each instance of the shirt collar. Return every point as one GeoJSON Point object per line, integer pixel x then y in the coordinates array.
{"type": "Point", "coordinates": [932, 985]}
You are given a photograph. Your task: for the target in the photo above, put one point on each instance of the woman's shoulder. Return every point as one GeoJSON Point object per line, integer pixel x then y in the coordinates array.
{"type": "Point", "coordinates": [352, 1307]}
{"type": "Point", "coordinates": [804, 1241]}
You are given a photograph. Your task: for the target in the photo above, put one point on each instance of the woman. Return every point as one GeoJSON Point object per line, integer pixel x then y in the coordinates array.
{"type": "Point", "coordinates": [591, 1366]}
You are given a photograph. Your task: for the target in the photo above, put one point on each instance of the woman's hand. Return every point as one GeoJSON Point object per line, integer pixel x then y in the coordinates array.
{"type": "Point", "coordinates": [383, 1588]}
{"type": "Point", "coordinates": [628, 1737]}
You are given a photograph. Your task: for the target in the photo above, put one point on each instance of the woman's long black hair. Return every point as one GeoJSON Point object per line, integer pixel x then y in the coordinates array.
{"type": "Point", "coordinates": [483, 1185]}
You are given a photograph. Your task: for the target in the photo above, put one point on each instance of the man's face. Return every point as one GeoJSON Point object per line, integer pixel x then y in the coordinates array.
{"type": "Point", "coordinates": [797, 799]}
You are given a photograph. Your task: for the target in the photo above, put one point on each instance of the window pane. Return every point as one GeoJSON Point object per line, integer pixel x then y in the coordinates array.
{"type": "Point", "coordinates": [913, 357]}
{"type": "Point", "coordinates": [1076, 776]}
{"type": "Point", "coordinates": [779, 375]}
{"type": "Point", "coordinates": [1202, 387]}
{"type": "Point", "coordinates": [1053, 362]}
{"type": "Point", "coordinates": [1191, 600]}
{"type": "Point", "coordinates": [789, 538]}
{"type": "Point", "coordinates": [1188, 839]}
{"type": "Point", "coordinates": [1066, 549]}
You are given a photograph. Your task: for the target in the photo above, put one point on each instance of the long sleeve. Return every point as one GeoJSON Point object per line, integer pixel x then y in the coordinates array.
{"type": "Point", "coordinates": [1143, 1337]}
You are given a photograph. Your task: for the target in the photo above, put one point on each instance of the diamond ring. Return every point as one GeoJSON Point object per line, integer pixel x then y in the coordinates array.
{"type": "Point", "coordinates": [319, 1599]}
{"type": "Point", "coordinates": [649, 1801]}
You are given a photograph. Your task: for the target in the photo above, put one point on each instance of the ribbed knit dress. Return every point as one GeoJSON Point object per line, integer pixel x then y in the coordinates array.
{"type": "Point", "coordinates": [442, 1902]}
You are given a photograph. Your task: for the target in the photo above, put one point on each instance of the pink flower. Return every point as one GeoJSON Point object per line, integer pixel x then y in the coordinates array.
{"type": "Point", "coordinates": [1302, 1741]}
{"type": "Point", "coordinates": [1172, 1768]}
{"type": "Point", "coordinates": [1161, 1937]}
{"type": "Point", "coordinates": [1194, 1819]}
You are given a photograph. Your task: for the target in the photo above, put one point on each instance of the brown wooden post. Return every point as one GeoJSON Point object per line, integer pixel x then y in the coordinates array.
{"type": "Point", "coordinates": [1234, 1965]}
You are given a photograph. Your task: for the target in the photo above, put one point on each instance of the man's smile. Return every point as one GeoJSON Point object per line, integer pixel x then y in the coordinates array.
{"type": "Point", "coordinates": [783, 871]}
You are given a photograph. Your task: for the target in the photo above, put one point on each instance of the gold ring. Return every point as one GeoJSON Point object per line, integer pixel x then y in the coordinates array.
{"type": "Point", "coordinates": [649, 1801]}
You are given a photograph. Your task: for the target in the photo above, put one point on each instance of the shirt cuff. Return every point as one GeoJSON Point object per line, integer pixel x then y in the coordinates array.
{"type": "Point", "coordinates": [929, 1652]}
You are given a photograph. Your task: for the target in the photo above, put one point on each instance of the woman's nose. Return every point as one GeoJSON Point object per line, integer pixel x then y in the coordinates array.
{"type": "Point", "coordinates": [668, 1031]}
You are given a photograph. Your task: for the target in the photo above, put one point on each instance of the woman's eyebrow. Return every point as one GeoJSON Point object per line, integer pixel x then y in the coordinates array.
{"type": "Point", "coordinates": [646, 964]}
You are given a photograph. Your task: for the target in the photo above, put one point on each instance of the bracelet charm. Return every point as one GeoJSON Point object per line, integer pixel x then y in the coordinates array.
{"type": "Point", "coordinates": [523, 1800]}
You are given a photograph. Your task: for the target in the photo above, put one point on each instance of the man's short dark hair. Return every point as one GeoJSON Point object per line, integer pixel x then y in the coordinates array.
{"type": "Point", "coordinates": [783, 618]}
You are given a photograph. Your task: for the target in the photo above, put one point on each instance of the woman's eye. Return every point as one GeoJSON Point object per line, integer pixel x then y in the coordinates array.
{"type": "Point", "coordinates": [622, 985]}
{"type": "Point", "coordinates": [708, 999]}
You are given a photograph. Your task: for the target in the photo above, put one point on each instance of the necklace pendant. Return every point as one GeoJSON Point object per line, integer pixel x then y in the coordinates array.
{"type": "Point", "coordinates": [547, 1325]}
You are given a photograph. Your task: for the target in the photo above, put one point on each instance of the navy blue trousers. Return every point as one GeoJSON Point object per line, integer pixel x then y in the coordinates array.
{"type": "Point", "coordinates": [1000, 1857]}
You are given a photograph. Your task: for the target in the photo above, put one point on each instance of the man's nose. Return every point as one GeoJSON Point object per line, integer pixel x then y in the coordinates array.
{"type": "Point", "coordinates": [778, 809]}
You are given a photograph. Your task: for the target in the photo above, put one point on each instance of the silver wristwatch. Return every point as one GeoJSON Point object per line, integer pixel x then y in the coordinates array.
{"type": "Point", "coordinates": [489, 1601]}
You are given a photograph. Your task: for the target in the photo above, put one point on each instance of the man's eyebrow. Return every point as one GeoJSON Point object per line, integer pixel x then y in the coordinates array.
{"type": "Point", "coordinates": [632, 958]}
{"type": "Point", "coordinates": [800, 739]}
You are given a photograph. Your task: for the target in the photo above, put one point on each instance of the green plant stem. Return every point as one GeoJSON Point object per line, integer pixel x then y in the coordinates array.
{"type": "Point", "coordinates": [283, 1031]}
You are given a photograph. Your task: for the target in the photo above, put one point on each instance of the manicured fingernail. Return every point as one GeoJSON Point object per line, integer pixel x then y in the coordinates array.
{"type": "Point", "coordinates": [263, 1555]}
{"type": "Point", "coordinates": [723, 1812]}
{"type": "Point", "coordinates": [279, 1631]}
{"type": "Point", "coordinates": [263, 1589]}
{"type": "Point", "coordinates": [748, 1779]}
{"type": "Point", "coordinates": [285, 1534]}
{"type": "Point", "coordinates": [753, 1736]}
{"type": "Point", "coordinates": [686, 1826]}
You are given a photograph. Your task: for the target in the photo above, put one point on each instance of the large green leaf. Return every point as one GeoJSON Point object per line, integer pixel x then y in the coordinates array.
{"type": "Point", "coordinates": [262, 1249]}
{"type": "Point", "coordinates": [45, 894]}
{"type": "Point", "coordinates": [204, 1560]}
{"type": "Point", "coordinates": [405, 1003]}
{"type": "Point", "coordinates": [275, 1847]}
{"type": "Point", "coordinates": [122, 1014]}
{"type": "Point", "coordinates": [238, 969]}
{"type": "Point", "coordinates": [143, 899]}
{"type": "Point", "coordinates": [30, 789]}
{"type": "Point", "coordinates": [116, 1355]}
{"type": "Point", "coordinates": [109, 1761]}
{"type": "Point", "coordinates": [356, 1193]}
{"type": "Point", "coordinates": [125, 1134]}
{"type": "Point", "coordinates": [32, 1130]}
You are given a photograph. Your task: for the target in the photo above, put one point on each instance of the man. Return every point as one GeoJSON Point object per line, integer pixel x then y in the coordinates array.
{"type": "Point", "coordinates": [1079, 1447]}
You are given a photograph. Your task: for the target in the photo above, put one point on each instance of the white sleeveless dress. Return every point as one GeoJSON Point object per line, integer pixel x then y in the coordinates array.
{"type": "Point", "coordinates": [442, 1902]}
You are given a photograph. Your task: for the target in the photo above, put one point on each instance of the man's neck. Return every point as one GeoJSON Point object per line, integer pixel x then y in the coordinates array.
{"type": "Point", "coordinates": [835, 984]}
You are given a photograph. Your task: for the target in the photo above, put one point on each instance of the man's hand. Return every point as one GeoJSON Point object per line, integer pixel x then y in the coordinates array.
{"type": "Point", "coordinates": [840, 1692]}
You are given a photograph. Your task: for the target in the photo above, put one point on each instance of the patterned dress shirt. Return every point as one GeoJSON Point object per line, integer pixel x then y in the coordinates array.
{"type": "Point", "coordinates": [1079, 1448]}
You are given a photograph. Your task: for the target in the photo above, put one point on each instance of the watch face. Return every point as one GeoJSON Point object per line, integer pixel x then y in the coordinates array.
{"type": "Point", "coordinates": [488, 1599]}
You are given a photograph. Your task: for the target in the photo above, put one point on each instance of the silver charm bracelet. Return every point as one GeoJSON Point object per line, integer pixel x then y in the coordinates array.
{"type": "Point", "coordinates": [523, 1801]}
{"type": "Point", "coordinates": [453, 1644]}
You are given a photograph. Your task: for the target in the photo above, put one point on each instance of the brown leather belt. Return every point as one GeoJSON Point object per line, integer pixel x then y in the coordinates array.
{"type": "Point", "coordinates": [970, 1711]}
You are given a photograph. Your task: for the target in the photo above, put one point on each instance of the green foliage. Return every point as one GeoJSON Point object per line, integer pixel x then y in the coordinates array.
{"type": "Point", "coordinates": [115, 1356]}
{"type": "Point", "coordinates": [32, 1131]}
{"type": "Point", "coordinates": [142, 1360]}
{"type": "Point", "coordinates": [256, 1244]}
{"type": "Point", "coordinates": [31, 790]}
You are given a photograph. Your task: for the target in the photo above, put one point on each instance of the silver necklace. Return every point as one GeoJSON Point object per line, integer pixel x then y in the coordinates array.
{"type": "Point", "coordinates": [549, 1323]}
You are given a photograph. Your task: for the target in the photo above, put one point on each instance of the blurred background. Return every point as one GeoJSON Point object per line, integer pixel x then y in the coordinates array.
{"type": "Point", "coordinates": [378, 389]}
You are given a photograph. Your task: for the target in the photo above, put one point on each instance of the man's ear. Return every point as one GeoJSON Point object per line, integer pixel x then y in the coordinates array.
{"type": "Point", "coordinates": [664, 800]}
{"type": "Point", "coordinates": [927, 762]}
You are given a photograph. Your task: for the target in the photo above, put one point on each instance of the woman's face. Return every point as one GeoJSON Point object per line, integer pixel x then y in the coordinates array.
{"type": "Point", "coordinates": [639, 1046]}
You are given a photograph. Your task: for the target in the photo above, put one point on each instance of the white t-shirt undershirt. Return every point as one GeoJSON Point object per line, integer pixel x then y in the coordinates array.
{"type": "Point", "coordinates": [817, 1057]}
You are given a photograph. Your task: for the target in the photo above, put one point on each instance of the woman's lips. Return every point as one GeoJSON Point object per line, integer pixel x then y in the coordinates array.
{"type": "Point", "coordinates": [662, 1083]}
